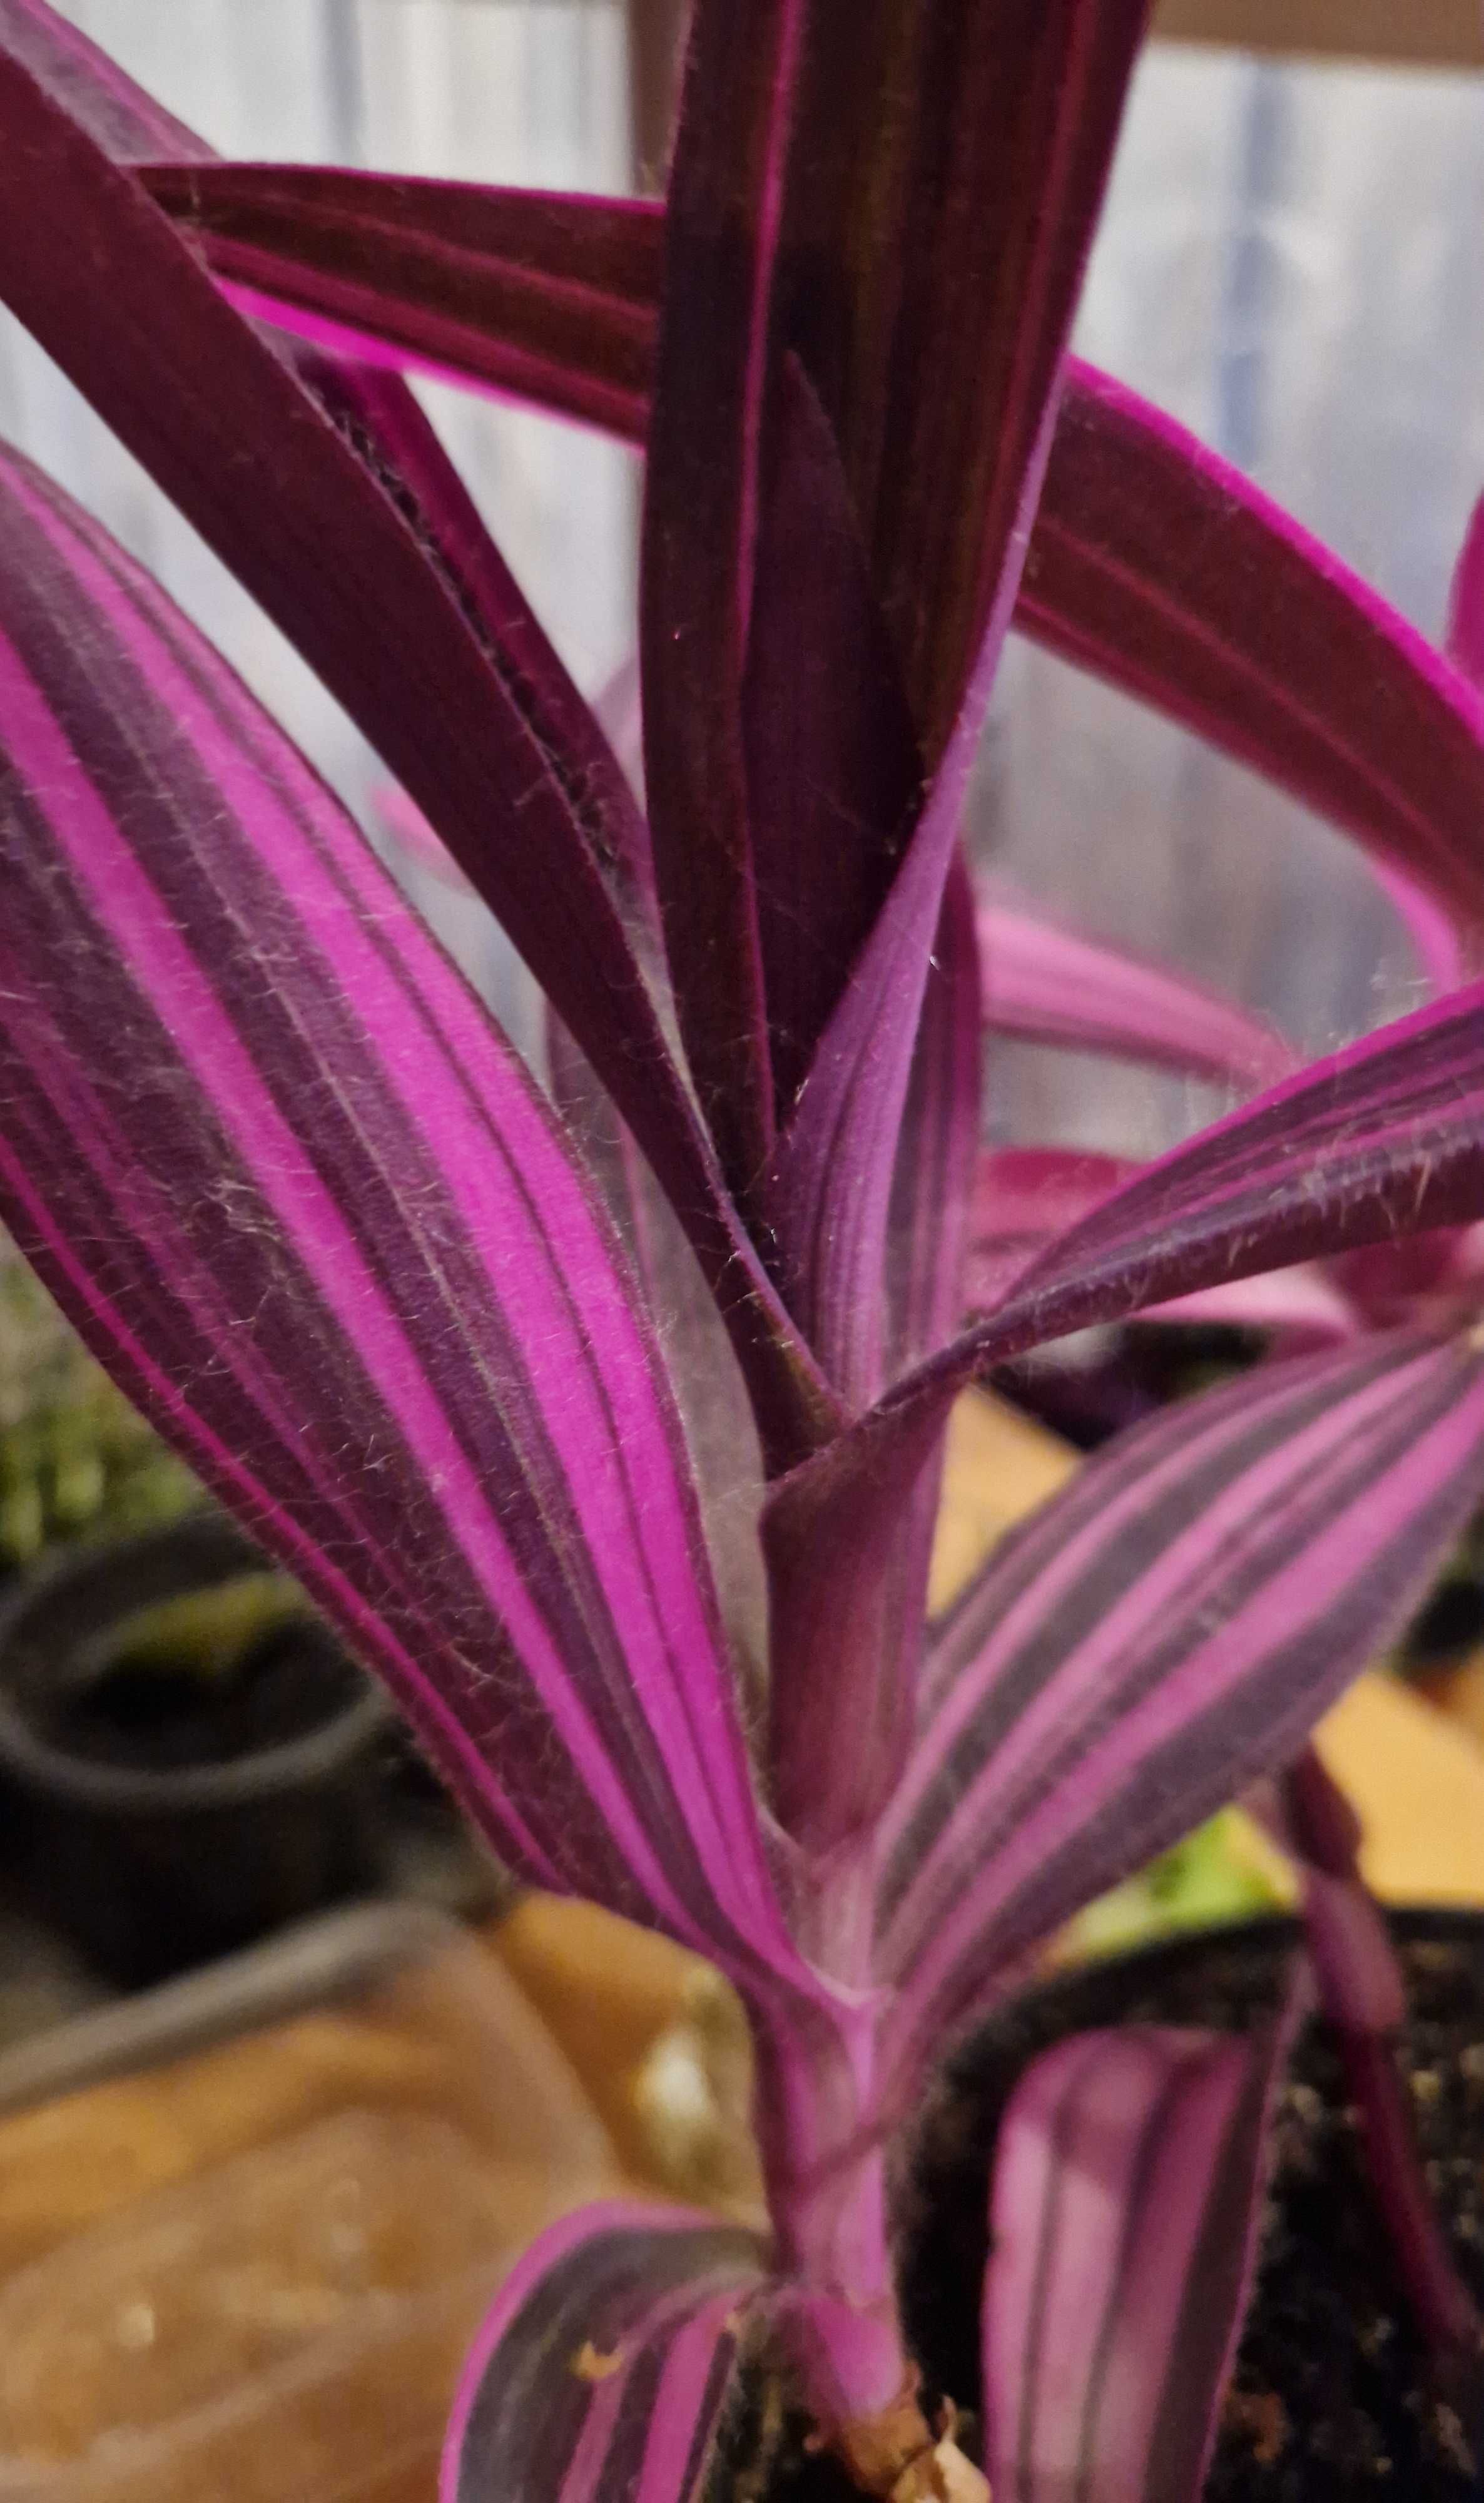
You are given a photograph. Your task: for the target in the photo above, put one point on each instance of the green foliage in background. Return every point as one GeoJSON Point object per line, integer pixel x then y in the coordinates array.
{"type": "Point", "coordinates": [75, 1461]}
{"type": "Point", "coordinates": [1211, 1876]}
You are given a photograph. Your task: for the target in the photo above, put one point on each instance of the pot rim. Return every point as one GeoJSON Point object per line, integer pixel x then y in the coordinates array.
{"type": "Point", "coordinates": [124, 1788]}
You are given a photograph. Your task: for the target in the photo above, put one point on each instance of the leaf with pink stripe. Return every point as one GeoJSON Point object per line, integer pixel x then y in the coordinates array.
{"type": "Point", "coordinates": [1159, 565]}
{"type": "Point", "coordinates": [605, 2369]}
{"type": "Point", "coordinates": [1384, 1139]}
{"type": "Point", "coordinates": [1054, 986]}
{"type": "Point", "coordinates": [328, 494]}
{"type": "Point", "coordinates": [1152, 560]}
{"type": "Point", "coordinates": [847, 1610]}
{"type": "Point", "coordinates": [1128, 2176]}
{"type": "Point", "coordinates": [1164, 1631]}
{"type": "Point", "coordinates": [943, 512]}
{"type": "Point", "coordinates": [1024, 1197]}
{"type": "Point", "coordinates": [1363, 1990]}
{"type": "Point", "coordinates": [931, 1217]}
{"type": "Point", "coordinates": [541, 296]}
{"type": "Point", "coordinates": [296, 1189]}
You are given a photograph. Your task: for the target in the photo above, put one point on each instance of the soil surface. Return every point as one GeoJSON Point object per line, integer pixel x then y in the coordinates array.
{"type": "Point", "coordinates": [161, 1719]}
{"type": "Point", "coordinates": [1331, 2401]}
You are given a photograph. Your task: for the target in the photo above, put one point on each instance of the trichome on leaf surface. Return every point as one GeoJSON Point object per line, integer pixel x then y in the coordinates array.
{"type": "Point", "coordinates": [464, 1354]}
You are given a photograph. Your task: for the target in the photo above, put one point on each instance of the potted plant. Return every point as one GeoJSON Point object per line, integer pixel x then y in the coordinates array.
{"type": "Point", "coordinates": [607, 1428]}
{"type": "Point", "coordinates": [189, 1756]}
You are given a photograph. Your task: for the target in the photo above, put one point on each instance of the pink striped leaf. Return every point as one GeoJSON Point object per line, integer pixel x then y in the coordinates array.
{"type": "Point", "coordinates": [720, 1428]}
{"type": "Point", "coordinates": [780, 244]}
{"type": "Point", "coordinates": [549, 298]}
{"type": "Point", "coordinates": [699, 549]}
{"type": "Point", "coordinates": [960, 312]}
{"type": "Point", "coordinates": [299, 1194]}
{"type": "Point", "coordinates": [833, 774]}
{"type": "Point", "coordinates": [1382, 1140]}
{"type": "Point", "coordinates": [1128, 2180]}
{"type": "Point", "coordinates": [328, 496]}
{"type": "Point", "coordinates": [1165, 1630]}
{"type": "Point", "coordinates": [1152, 560]}
{"type": "Point", "coordinates": [933, 1190]}
{"type": "Point", "coordinates": [842, 1707]}
{"type": "Point", "coordinates": [936, 344]}
{"type": "Point", "coordinates": [602, 2373]}
{"type": "Point", "coordinates": [1161, 568]}
{"type": "Point", "coordinates": [545, 297]}
{"type": "Point", "coordinates": [1024, 1197]}
{"type": "Point", "coordinates": [1050, 985]}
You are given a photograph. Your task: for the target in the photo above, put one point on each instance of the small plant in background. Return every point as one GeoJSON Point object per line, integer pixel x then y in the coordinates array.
{"type": "Point", "coordinates": [609, 1428]}
{"type": "Point", "coordinates": [76, 1460]}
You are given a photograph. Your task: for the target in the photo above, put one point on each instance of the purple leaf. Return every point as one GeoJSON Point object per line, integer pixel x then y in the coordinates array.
{"type": "Point", "coordinates": [1381, 1140]}
{"type": "Point", "coordinates": [1152, 562]}
{"type": "Point", "coordinates": [832, 768]}
{"type": "Point", "coordinates": [947, 175]}
{"type": "Point", "coordinates": [602, 2372]}
{"type": "Point", "coordinates": [1049, 985]}
{"type": "Point", "coordinates": [468, 280]}
{"type": "Point", "coordinates": [378, 569]}
{"type": "Point", "coordinates": [1165, 1630]}
{"type": "Point", "coordinates": [544, 298]}
{"type": "Point", "coordinates": [831, 1191]}
{"type": "Point", "coordinates": [847, 1548]}
{"type": "Point", "coordinates": [1023, 1198]}
{"type": "Point", "coordinates": [1161, 566]}
{"type": "Point", "coordinates": [929, 320]}
{"type": "Point", "coordinates": [847, 1610]}
{"type": "Point", "coordinates": [1296, 1307]}
{"type": "Point", "coordinates": [1365, 1999]}
{"type": "Point", "coordinates": [699, 548]}
{"type": "Point", "coordinates": [720, 1431]}
{"type": "Point", "coordinates": [1384, 1139]}
{"type": "Point", "coordinates": [937, 1155]}
{"type": "Point", "coordinates": [1019, 105]}
{"type": "Point", "coordinates": [1127, 2179]}
{"type": "Point", "coordinates": [300, 1195]}
{"type": "Point", "coordinates": [850, 1606]}
{"type": "Point", "coordinates": [1466, 606]}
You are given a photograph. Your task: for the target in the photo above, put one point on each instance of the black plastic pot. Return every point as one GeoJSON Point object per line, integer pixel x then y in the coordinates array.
{"type": "Point", "coordinates": [158, 1833]}
{"type": "Point", "coordinates": [1331, 2400]}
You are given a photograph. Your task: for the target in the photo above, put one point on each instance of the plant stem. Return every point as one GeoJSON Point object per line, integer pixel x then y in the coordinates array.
{"type": "Point", "coordinates": [1365, 1999]}
{"type": "Point", "coordinates": [824, 2178]}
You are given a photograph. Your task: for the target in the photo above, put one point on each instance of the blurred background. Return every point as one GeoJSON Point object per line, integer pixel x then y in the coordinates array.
{"type": "Point", "coordinates": [1291, 264]}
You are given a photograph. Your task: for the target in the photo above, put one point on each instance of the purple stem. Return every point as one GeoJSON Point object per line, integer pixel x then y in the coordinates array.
{"type": "Point", "coordinates": [1364, 1999]}
{"type": "Point", "coordinates": [825, 2172]}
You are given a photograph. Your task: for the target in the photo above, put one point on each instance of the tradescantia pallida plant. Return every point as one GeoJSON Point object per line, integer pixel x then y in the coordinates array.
{"type": "Point", "coordinates": [475, 1363]}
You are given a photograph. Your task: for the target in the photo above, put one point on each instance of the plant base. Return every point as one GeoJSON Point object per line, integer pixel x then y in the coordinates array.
{"type": "Point", "coordinates": [1332, 2401]}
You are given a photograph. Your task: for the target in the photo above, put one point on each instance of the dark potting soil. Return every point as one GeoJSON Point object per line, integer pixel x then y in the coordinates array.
{"type": "Point", "coordinates": [1331, 2401]}
{"type": "Point", "coordinates": [162, 1718]}
{"type": "Point", "coordinates": [1450, 1626]}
